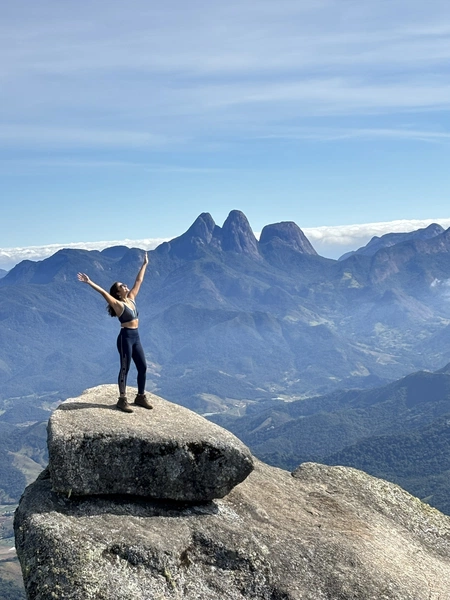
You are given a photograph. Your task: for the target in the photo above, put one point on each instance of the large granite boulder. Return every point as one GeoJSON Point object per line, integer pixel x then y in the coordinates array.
{"type": "Point", "coordinates": [166, 453]}
{"type": "Point", "coordinates": [328, 533]}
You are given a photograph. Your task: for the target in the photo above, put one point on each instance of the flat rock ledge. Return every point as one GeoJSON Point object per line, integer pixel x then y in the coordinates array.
{"type": "Point", "coordinates": [168, 453]}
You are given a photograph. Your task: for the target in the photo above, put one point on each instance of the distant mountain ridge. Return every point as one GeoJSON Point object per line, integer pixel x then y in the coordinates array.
{"type": "Point", "coordinates": [391, 239]}
{"type": "Point", "coordinates": [225, 316]}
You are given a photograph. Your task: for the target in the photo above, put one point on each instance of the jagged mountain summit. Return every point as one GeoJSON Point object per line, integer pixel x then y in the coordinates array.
{"type": "Point", "coordinates": [318, 533]}
{"type": "Point", "coordinates": [236, 235]}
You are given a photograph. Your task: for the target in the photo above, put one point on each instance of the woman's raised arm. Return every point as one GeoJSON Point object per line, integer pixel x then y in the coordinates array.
{"type": "Point", "coordinates": [113, 302]}
{"type": "Point", "coordinates": [139, 279]}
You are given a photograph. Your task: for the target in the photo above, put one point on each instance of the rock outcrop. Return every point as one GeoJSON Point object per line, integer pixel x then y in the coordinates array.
{"type": "Point", "coordinates": [289, 234]}
{"type": "Point", "coordinates": [321, 533]}
{"type": "Point", "coordinates": [236, 235]}
{"type": "Point", "coordinates": [168, 453]}
{"type": "Point", "coordinates": [197, 236]}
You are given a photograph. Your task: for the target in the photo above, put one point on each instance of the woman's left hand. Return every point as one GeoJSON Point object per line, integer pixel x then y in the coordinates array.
{"type": "Point", "coordinates": [83, 277]}
{"type": "Point", "coordinates": [145, 258]}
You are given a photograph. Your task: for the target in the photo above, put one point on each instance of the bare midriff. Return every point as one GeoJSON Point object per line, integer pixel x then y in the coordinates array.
{"type": "Point", "coordinates": [131, 324]}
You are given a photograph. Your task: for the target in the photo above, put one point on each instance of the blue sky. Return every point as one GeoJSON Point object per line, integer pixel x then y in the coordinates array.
{"type": "Point", "coordinates": [127, 120]}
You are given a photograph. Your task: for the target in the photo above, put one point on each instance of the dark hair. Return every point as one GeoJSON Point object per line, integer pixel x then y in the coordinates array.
{"type": "Point", "coordinates": [114, 292]}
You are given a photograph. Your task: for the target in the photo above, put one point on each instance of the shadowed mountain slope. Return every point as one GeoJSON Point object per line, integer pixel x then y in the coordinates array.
{"type": "Point", "coordinates": [399, 432]}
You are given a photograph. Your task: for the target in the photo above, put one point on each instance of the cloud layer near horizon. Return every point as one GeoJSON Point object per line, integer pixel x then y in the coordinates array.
{"type": "Point", "coordinates": [333, 242]}
{"type": "Point", "coordinates": [329, 241]}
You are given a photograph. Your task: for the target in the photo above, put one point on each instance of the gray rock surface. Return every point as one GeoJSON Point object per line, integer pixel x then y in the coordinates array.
{"type": "Point", "coordinates": [328, 533]}
{"type": "Point", "coordinates": [166, 453]}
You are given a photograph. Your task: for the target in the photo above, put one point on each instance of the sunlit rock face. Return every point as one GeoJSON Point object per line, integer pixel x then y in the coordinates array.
{"type": "Point", "coordinates": [320, 533]}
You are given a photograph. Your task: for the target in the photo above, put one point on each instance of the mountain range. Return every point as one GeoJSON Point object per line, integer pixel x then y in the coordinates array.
{"type": "Point", "coordinates": [233, 327]}
{"type": "Point", "coordinates": [226, 318]}
{"type": "Point", "coordinates": [399, 432]}
{"type": "Point", "coordinates": [391, 239]}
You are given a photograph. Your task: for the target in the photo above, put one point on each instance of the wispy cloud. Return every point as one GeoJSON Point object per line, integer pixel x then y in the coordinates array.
{"type": "Point", "coordinates": [142, 75]}
{"type": "Point", "coordinates": [236, 37]}
{"type": "Point", "coordinates": [77, 163]}
{"type": "Point", "coordinates": [18, 135]}
{"type": "Point", "coordinates": [364, 133]}
{"type": "Point", "coordinates": [121, 91]}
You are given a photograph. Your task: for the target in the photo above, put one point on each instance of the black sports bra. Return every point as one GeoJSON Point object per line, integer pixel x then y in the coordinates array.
{"type": "Point", "coordinates": [129, 314]}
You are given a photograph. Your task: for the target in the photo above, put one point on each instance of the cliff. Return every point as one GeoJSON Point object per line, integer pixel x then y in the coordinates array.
{"type": "Point", "coordinates": [320, 533]}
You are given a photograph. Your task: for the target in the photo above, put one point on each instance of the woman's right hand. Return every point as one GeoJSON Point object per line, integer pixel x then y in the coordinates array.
{"type": "Point", "coordinates": [83, 277]}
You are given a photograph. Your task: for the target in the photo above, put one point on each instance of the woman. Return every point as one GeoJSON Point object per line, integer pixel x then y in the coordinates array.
{"type": "Point", "coordinates": [121, 304]}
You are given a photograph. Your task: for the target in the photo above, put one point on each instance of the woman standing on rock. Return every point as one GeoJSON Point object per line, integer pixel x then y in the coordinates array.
{"type": "Point", "coordinates": [121, 304]}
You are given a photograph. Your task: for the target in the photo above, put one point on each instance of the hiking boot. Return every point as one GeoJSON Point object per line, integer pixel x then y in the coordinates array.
{"type": "Point", "coordinates": [141, 400]}
{"type": "Point", "coordinates": [122, 404]}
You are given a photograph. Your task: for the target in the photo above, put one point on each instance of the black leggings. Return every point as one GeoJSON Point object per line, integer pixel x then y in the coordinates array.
{"type": "Point", "coordinates": [130, 348]}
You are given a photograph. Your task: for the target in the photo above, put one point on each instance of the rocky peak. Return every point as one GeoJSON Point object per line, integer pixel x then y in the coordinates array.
{"type": "Point", "coordinates": [236, 235]}
{"type": "Point", "coordinates": [196, 238]}
{"type": "Point", "coordinates": [288, 233]}
{"type": "Point", "coordinates": [431, 231]}
{"type": "Point", "coordinates": [321, 532]}
{"type": "Point", "coordinates": [202, 227]}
